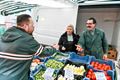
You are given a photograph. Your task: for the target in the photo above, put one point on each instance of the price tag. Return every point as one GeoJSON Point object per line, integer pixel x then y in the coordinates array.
{"type": "Point", "coordinates": [63, 58]}
{"type": "Point", "coordinates": [100, 76]}
{"type": "Point", "coordinates": [48, 74]}
{"type": "Point", "coordinates": [69, 74]}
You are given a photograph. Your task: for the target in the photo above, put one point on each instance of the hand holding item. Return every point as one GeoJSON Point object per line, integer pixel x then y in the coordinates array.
{"type": "Point", "coordinates": [79, 48]}
{"type": "Point", "coordinates": [56, 46]}
{"type": "Point", "coordinates": [63, 48]}
{"type": "Point", "coordinates": [105, 57]}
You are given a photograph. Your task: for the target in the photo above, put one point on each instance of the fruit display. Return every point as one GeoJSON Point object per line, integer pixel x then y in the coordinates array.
{"type": "Point", "coordinates": [91, 75]}
{"type": "Point", "coordinates": [99, 66]}
{"type": "Point", "coordinates": [54, 64]}
{"type": "Point", "coordinates": [76, 70]}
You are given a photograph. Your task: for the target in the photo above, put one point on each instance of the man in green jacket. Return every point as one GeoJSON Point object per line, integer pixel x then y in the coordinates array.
{"type": "Point", "coordinates": [17, 47]}
{"type": "Point", "coordinates": [93, 40]}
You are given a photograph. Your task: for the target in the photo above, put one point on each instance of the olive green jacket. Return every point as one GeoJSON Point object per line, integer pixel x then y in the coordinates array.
{"type": "Point", "coordinates": [94, 45]}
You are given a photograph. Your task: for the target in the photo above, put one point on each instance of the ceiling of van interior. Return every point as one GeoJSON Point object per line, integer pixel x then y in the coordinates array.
{"type": "Point", "coordinates": [84, 1]}
{"type": "Point", "coordinates": [8, 7]}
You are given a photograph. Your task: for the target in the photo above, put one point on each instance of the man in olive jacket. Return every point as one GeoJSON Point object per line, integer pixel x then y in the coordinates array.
{"type": "Point", "coordinates": [93, 40]}
{"type": "Point", "coordinates": [17, 47]}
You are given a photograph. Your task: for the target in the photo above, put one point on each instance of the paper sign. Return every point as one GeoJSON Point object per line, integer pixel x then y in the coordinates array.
{"type": "Point", "coordinates": [100, 76]}
{"type": "Point", "coordinates": [48, 74]}
{"type": "Point", "coordinates": [69, 74]}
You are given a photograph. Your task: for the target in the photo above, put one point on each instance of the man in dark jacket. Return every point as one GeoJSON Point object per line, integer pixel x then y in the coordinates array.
{"type": "Point", "coordinates": [93, 40]}
{"type": "Point", "coordinates": [17, 47]}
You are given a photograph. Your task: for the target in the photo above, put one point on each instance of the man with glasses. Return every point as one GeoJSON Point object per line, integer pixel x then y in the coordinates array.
{"type": "Point", "coordinates": [93, 41]}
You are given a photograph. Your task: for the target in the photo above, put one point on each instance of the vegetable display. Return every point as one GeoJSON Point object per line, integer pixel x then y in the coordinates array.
{"type": "Point", "coordinates": [91, 75]}
{"type": "Point", "coordinates": [38, 76]}
{"type": "Point", "coordinates": [100, 66]}
{"type": "Point", "coordinates": [76, 70]}
{"type": "Point", "coordinates": [54, 64]}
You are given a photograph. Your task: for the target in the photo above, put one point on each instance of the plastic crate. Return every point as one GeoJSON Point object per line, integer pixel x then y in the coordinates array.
{"type": "Point", "coordinates": [110, 73]}
{"type": "Point", "coordinates": [37, 67]}
{"type": "Point", "coordinates": [50, 57]}
{"type": "Point", "coordinates": [79, 59]}
{"type": "Point", "coordinates": [32, 74]}
{"type": "Point", "coordinates": [31, 77]}
{"type": "Point", "coordinates": [77, 77]}
{"type": "Point", "coordinates": [43, 69]}
{"type": "Point", "coordinates": [51, 63]}
{"type": "Point", "coordinates": [108, 62]}
{"type": "Point", "coordinates": [60, 56]}
{"type": "Point", "coordinates": [37, 57]}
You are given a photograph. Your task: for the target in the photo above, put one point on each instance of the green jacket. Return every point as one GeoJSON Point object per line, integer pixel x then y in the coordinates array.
{"type": "Point", "coordinates": [94, 45]}
{"type": "Point", "coordinates": [16, 51]}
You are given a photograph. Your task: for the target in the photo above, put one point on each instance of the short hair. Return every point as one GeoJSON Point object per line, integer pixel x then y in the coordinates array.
{"type": "Point", "coordinates": [23, 18]}
{"type": "Point", "coordinates": [94, 20]}
{"type": "Point", "coordinates": [70, 25]}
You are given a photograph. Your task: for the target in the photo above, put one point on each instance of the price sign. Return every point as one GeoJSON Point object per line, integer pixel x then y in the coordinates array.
{"type": "Point", "coordinates": [100, 76]}
{"type": "Point", "coordinates": [48, 74]}
{"type": "Point", "coordinates": [69, 74]}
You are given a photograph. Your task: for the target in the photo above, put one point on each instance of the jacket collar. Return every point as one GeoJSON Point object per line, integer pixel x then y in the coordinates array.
{"type": "Point", "coordinates": [93, 38]}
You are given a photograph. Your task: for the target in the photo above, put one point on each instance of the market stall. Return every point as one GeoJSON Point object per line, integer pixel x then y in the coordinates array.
{"type": "Point", "coordinates": [71, 66]}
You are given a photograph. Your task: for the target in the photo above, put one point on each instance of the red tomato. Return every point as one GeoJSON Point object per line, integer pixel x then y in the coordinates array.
{"type": "Point", "coordinates": [104, 64]}
{"type": "Point", "coordinates": [92, 63]}
{"type": "Point", "coordinates": [96, 62]}
{"type": "Point", "coordinates": [108, 78]}
{"type": "Point", "coordinates": [93, 77]}
{"type": "Point", "coordinates": [105, 68]}
{"type": "Point", "coordinates": [109, 67]}
{"type": "Point", "coordinates": [90, 70]}
{"type": "Point", "coordinates": [88, 76]}
{"type": "Point", "coordinates": [95, 67]}
{"type": "Point", "coordinates": [102, 68]}
{"type": "Point", "coordinates": [99, 66]}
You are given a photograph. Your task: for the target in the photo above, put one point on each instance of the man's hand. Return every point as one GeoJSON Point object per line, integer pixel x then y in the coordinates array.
{"type": "Point", "coordinates": [56, 46]}
{"type": "Point", "coordinates": [105, 57]}
{"type": "Point", "coordinates": [79, 48]}
{"type": "Point", "coordinates": [63, 48]}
